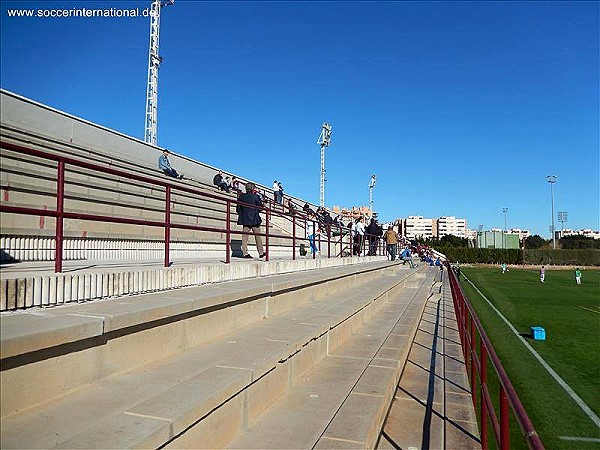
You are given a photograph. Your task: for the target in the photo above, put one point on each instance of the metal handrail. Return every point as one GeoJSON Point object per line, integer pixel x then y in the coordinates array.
{"type": "Point", "coordinates": [468, 325]}
{"type": "Point", "coordinates": [167, 224]}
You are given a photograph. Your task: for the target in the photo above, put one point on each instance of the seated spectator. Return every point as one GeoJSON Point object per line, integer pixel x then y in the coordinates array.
{"type": "Point", "coordinates": [228, 183]}
{"type": "Point", "coordinates": [235, 185]}
{"type": "Point", "coordinates": [220, 183]}
{"type": "Point", "coordinates": [407, 258]}
{"type": "Point", "coordinates": [165, 165]}
{"type": "Point", "coordinates": [290, 206]}
{"type": "Point", "coordinates": [306, 208]}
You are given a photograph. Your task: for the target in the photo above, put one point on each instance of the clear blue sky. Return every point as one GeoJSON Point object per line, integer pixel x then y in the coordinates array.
{"type": "Point", "coordinates": [459, 108]}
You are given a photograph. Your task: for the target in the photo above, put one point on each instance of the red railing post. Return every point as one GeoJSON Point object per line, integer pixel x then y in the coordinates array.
{"type": "Point", "coordinates": [267, 215]}
{"type": "Point", "coordinates": [473, 348]}
{"type": "Point", "coordinates": [167, 225]}
{"type": "Point", "coordinates": [293, 238]}
{"type": "Point", "coordinates": [60, 206]}
{"type": "Point", "coordinates": [484, 414]}
{"type": "Point", "coordinates": [341, 242]}
{"type": "Point", "coordinates": [328, 229]}
{"type": "Point", "coordinates": [317, 243]}
{"type": "Point", "coordinates": [504, 421]}
{"type": "Point", "coordinates": [228, 234]}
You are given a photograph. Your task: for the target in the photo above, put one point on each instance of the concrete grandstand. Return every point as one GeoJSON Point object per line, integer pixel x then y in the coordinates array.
{"type": "Point", "coordinates": [134, 345]}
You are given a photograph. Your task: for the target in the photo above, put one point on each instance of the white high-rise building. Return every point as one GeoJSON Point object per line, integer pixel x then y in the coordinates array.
{"type": "Point", "coordinates": [418, 227]}
{"type": "Point", "coordinates": [450, 225]}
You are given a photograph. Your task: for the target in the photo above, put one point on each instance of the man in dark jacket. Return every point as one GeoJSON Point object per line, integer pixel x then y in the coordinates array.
{"type": "Point", "coordinates": [248, 211]}
{"type": "Point", "coordinates": [373, 232]}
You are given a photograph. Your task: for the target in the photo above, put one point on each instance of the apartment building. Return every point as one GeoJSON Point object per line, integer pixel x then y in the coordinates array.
{"type": "Point", "coordinates": [450, 225]}
{"type": "Point", "coordinates": [417, 227]}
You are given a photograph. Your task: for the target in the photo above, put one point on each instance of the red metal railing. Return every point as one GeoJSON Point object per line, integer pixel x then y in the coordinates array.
{"type": "Point", "coordinates": [60, 214]}
{"type": "Point", "coordinates": [468, 326]}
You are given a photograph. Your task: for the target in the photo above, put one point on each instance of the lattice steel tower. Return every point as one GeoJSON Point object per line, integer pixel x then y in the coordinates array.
{"type": "Point", "coordinates": [154, 61]}
{"type": "Point", "coordinates": [323, 141]}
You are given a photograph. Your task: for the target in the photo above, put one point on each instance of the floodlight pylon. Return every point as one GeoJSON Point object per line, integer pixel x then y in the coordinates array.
{"type": "Point", "coordinates": [154, 60]}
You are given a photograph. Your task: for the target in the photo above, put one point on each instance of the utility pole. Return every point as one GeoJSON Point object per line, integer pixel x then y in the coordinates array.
{"type": "Point", "coordinates": [552, 179]}
{"type": "Point", "coordinates": [154, 60]}
{"type": "Point", "coordinates": [323, 141]}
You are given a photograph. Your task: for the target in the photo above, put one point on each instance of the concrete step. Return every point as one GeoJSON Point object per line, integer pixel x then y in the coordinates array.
{"type": "Point", "coordinates": [432, 405]}
{"type": "Point", "coordinates": [342, 401]}
{"type": "Point", "coordinates": [59, 350]}
{"type": "Point", "coordinates": [127, 277]}
{"type": "Point", "coordinates": [201, 395]}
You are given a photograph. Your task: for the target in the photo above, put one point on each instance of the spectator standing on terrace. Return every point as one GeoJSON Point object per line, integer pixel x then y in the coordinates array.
{"type": "Point", "coordinates": [542, 274]}
{"type": "Point", "coordinates": [276, 192]}
{"type": "Point", "coordinates": [312, 231]}
{"type": "Point", "coordinates": [280, 186]}
{"type": "Point", "coordinates": [359, 235]}
{"type": "Point", "coordinates": [249, 217]}
{"type": "Point", "coordinates": [372, 231]}
{"type": "Point", "coordinates": [391, 239]}
{"type": "Point", "coordinates": [165, 165]}
{"type": "Point", "coordinates": [578, 276]}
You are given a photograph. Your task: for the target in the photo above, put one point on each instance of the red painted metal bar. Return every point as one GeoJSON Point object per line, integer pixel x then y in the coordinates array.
{"type": "Point", "coordinates": [267, 216]}
{"type": "Point", "coordinates": [484, 414]}
{"type": "Point", "coordinates": [473, 372]}
{"type": "Point", "coordinates": [485, 394]}
{"type": "Point", "coordinates": [228, 233]}
{"type": "Point", "coordinates": [167, 225]}
{"type": "Point", "coordinates": [60, 203]}
{"type": "Point", "coordinates": [504, 421]}
{"type": "Point", "coordinates": [60, 214]}
{"type": "Point", "coordinates": [294, 238]}
{"type": "Point", "coordinates": [314, 254]}
{"type": "Point", "coordinates": [508, 395]}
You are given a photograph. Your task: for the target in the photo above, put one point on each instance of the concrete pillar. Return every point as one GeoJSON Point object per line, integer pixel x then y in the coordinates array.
{"type": "Point", "coordinates": [37, 291]}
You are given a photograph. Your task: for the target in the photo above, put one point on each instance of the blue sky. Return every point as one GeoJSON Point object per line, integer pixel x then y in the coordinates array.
{"type": "Point", "coordinates": [459, 108]}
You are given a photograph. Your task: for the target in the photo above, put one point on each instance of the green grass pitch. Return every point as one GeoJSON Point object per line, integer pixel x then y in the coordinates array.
{"type": "Point", "coordinates": [570, 314]}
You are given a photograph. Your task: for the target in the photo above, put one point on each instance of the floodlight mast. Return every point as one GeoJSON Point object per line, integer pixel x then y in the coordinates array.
{"type": "Point", "coordinates": [323, 141]}
{"type": "Point", "coordinates": [154, 60]}
{"type": "Point", "coordinates": [371, 186]}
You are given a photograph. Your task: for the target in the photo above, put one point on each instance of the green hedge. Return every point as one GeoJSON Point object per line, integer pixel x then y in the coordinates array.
{"type": "Point", "coordinates": [583, 257]}
{"type": "Point", "coordinates": [569, 257]}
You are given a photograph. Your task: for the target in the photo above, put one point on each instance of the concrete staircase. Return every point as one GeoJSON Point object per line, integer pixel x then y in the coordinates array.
{"type": "Point", "coordinates": [285, 361]}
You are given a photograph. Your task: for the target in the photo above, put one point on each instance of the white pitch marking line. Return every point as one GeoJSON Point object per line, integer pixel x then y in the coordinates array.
{"type": "Point", "coordinates": [586, 409]}
{"type": "Point", "coordinates": [579, 439]}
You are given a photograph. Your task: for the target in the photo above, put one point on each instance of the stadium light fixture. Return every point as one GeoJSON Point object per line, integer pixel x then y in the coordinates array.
{"type": "Point", "coordinates": [552, 180]}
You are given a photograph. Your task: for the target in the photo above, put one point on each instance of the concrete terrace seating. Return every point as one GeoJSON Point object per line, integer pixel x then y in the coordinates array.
{"type": "Point", "coordinates": [30, 182]}
{"type": "Point", "coordinates": [204, 367]}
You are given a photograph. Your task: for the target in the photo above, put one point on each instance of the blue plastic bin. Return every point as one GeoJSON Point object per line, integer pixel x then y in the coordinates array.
{"type": "Point", "coordinates": [538, 333]}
